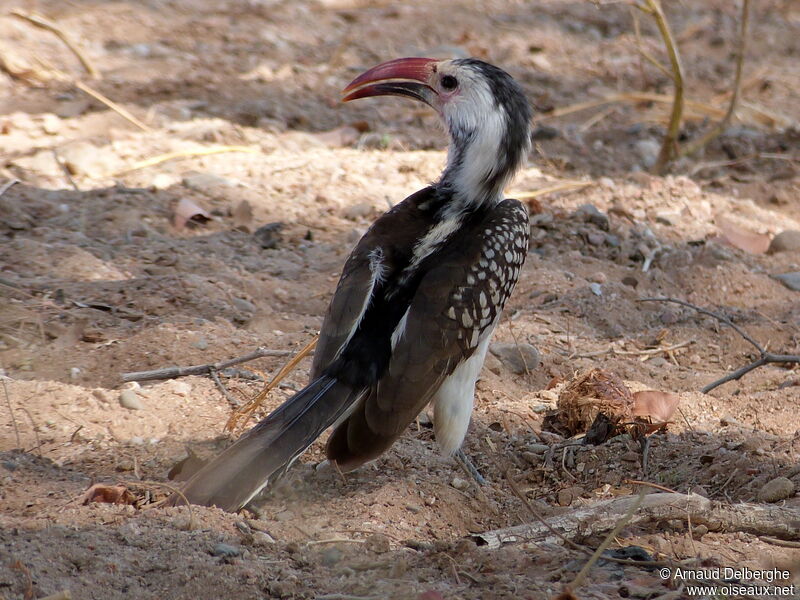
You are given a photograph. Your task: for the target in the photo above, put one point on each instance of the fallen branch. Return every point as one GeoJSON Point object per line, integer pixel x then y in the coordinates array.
{"type": "Point", "coordinates": [764, 358]}
{"type": "Point", "coordinates": [174, 372]}
{"type": "Point", "coordinates": [771, 520]}
{"type": "Point", "coordinates": [47, 24]}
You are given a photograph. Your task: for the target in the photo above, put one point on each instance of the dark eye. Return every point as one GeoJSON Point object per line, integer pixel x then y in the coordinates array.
{"type": "Point", "coordinates": [449, 82]}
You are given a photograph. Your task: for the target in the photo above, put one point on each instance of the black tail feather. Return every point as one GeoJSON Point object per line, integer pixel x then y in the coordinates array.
{"type": "Point", "coordinates": [233, 478]}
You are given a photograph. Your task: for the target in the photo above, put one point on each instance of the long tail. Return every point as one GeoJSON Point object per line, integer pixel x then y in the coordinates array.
{"type": "Point", "coordinates": [233, 478]}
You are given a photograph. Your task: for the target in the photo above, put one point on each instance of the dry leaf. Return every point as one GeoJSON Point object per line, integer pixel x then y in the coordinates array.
{"type": "Point", "coordinates": [659, 406]}
{"type": "Point", "coordinates": [186, 210]}
{"type": "Point", "coordinates": [744, 239]}
{"type": "Point", "coordinates": [108, 494]}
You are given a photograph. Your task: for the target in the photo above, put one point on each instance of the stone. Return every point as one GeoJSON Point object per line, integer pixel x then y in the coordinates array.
{"type": "Point", "coordinates": [130, 399]}
{"type": "Point", "coordinates": [262, 538]}
{"type": "Point", "coordinates": [226, 550]}
{"type": "Point", "coordinates": [88, 160]}
{"type": "Point", "coordinates": [459, 484]}
{"type": "Point", "coordinates": [785, 241]}
{"type": "Point", "coordinates": [647, 150]}
{"type": "Point", "coordinates": [589, 213]}
{"type": "Point", "coordinates": [516, 357]}
{"type": "Point", "coordinates": [790, 280]}
{"type": "Point", "coordinates": [776, 490]}
{"type": "Point", "coordinates": [358, 211]}
{"type": "Point", "coordinates": [268, 236]}
{"type": "Point", "coordinates": [201, 182]}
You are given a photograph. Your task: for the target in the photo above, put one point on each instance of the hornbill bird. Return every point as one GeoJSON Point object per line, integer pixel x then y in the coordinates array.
{"type": "Point", "coordinates": [418, 297]}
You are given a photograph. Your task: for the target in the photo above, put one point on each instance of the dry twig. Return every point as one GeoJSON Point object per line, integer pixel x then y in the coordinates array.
{"type": "Point", "coordinates": [764, 358]}
{"type": "Point", "coordinates": [11, 413]}
{"type": "Point", "coordinates": [244, 412]}
{"type": "Point", "coordinates": [162, 158]}
{"type": "Point", "coordinates": [8, 185]}
{"type": "Point", "coordinates": [564, 186]}
{"type": "Point", "coordinates": [47, 24]}
{"type": "Point", "coordinates": [174, 372]}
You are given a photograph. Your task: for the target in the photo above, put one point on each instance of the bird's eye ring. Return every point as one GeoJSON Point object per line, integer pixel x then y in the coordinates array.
{"type": "Point", "coordinates": [449, 82]}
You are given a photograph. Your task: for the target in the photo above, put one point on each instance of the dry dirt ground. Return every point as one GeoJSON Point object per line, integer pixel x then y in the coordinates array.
{"type": "Point", "coordinates": [96, 280]}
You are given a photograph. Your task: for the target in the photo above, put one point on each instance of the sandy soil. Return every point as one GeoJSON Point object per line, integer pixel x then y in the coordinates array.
{"type": "Point", "coordinates": [96, 280]}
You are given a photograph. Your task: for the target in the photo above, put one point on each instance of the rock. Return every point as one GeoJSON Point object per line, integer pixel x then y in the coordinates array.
{"type": "Point", "coordinates": [201, 182]}
{"type": "Point", "coordinates": [516, 357]}
{"type": "Point", "coordinates": [162, 181]}
{"type": "Point", "coordinates": [226, 550]}
{"type": "Point", "coordinates": [790, 280]}
{"type": "Point", "coordinates": [357, 211]}
{"type": "Point", "coordinates": [130, 400]}
{"type": "Point", "coordinates": [668, 217]}
{"type": "Point", "coordinates": [262, 538]}
{"type": "Point", "coordinates": [598, 277]}
{"type": "Point", "coordinates": [85, 159]}
{"type": "Point", "coordinates": [647, 150]}
{"type": "Point", "coordinates": [568, 495]}
{"type": "Point", "coordinates": [595, 238]}
{"type": "Point", "coordinates": [268, 235]}
{"type": "Point", "coordinates": [589, 213]}
{"type": "Point", "coordinates": [459, 484]}
{"type": "Point", "coordinates": [729, 421]}
{"type": "Point", "coordinates": [785, 241]}
{"type": "Point", "coordinates": [538, 448]}
{"type": "Point", "coordinates": [776, 490]}
{"type": "Point", "coordinates": [607, 183]}
{"type": "Point", "coordinates": [596, 288]}
{"type": "Point", "coordinates": [51, 124]}
{"type": "Point", "coordinates": [244, 305]}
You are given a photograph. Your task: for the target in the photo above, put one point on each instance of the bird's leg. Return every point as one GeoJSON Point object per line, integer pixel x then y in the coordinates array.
{"type": "Point", "coordinates": [466, 464]}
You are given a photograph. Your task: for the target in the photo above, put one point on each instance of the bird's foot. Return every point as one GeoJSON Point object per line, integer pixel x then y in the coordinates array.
{"type": "Point", "coordinates": [466, 464]}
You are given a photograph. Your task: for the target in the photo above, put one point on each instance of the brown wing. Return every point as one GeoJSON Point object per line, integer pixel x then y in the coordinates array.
{"type": "Point", "coordinates": [456, 304]}
{"type": "Point", "coordinates": [356, 284]}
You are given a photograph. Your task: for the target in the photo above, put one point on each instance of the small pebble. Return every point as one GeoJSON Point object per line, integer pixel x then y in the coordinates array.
{"type": "Point", "coordinates": [785, 241]}
{"type": "Point", "coordinates": [598, 277]}
{"type": "Point", "coordinates": [459, 484]}
{"type": "Point", "coordinates": [607, 183]}
{"type": "Point", "coordinates": [776, 490]}
{"type": "Point", "coordinates": [516, 357]}
{"type": "Point", "coordinates": [538, 448]}
{"type": "Point", "coordinates": [226, 550]}
{"type": "Point", "coordinates": [790, 280]}
{"type": "Point", "coordinates": [130, 400]}
{"type": "Point", "coordinates": [261, 538]}
{"type": "Point", "coordinates": [596, 288]}
{"type": "Point", "coordinates": [357, 211]}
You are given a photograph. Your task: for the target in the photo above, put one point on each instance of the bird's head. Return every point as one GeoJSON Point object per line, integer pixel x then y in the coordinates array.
{"type": "Point", "coordinates": [484, 110]}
